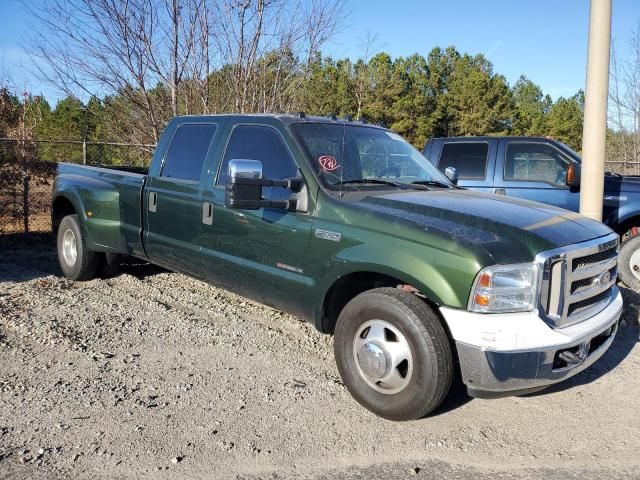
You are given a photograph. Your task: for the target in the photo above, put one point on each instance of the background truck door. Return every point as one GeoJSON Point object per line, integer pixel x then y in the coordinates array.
{"type": "Point", "coordinates": [173, 199]}
{"type": "Point", "coordinates": [535, 170]}
{"type": "Point", "coordinates": [474, 160]}
{"type": "Point", "coordinates": [262, 253]}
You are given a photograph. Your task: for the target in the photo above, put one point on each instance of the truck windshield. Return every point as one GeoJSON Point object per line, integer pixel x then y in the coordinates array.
{"type": "Point", "coordinates": [576, 156]}
{"type": "Point", "coordinates": [357, 155]}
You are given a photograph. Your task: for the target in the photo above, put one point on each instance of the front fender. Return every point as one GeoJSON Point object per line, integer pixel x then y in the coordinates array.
{"type": "Point", "coordinates": [624, 207]}
{"type": "Point", "coordinates": [443, 276]}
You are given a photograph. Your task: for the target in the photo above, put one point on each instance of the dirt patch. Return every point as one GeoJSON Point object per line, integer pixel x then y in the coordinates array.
{"type": "Point", "coordinates": [154, 374]}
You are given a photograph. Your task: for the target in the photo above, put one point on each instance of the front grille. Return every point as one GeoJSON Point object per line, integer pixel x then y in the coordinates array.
{"type": "Point", "coordinates": [578, 280]}
{"type": "Point", "coordinates": [588, 302]}
{"type": "Point", "coordinates": [586, 282]}
{"type": "Point", "coordinates": [587, 260]}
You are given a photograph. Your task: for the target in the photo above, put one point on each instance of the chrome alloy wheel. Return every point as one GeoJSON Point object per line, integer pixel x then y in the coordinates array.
{"type": "Point", "coordinates": [634, 264]}
{"type": "Point", "coordinates": [69, 248]}
{"type": "Point", "coordinates": [383, 356]}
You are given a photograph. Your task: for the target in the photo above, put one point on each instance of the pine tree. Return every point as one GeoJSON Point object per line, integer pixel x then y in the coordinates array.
{"type": "Point", "coordinates": [565, 120]}
{"type": "Point", "coordinates": [480, 102]}
{"type": "Point", "coordinates": [531, 108]}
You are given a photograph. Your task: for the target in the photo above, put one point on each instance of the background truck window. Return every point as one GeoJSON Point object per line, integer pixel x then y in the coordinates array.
{"type": "Point", "coordinates": [468, 158]}
{"type": "Point", "coordinates": [535, 162]}
{"type": "Point", "coordinates": [188, 151]}
{"type": "Point", "coordinates": [381, 158]}
{"type": "Point", "coordinates": [263, 144]}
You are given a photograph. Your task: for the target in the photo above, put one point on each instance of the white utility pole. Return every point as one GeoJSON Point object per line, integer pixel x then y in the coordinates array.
{"type": "Point", "coordinates": [594, 132]}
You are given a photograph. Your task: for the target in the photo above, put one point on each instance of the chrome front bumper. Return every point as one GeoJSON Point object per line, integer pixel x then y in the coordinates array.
{"type": "Point", "coordinates": [516, 355]}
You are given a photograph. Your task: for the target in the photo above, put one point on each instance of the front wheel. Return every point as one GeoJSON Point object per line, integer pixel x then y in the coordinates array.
{"type": "Point", "coordinates": [629, 262]}
{"type": "Point", "coordinates": [393, 354]}
{"type": "Point", "coordinates": [76, 260]}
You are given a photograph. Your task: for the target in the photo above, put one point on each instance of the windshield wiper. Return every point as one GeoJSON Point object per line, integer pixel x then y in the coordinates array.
{"type": "Point", "coordinates": [432, 183]}
{"type": "Point", "coordinates": [373, 181]}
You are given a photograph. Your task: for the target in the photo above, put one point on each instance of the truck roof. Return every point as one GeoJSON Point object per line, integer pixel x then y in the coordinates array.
{"type": "Point", "coordinates": [494, 137]}
{"type": "Point", "coordinates": [287, 118]}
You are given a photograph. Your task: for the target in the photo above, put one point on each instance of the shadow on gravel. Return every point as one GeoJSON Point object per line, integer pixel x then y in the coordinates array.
{"type": "Point", "coordinates": [27, 256]}
{"type": "Point", "coordinates": [140, 269]}
{"type": "Point", "coordinates": [31, 256]}
{"type": "Point", "coordinates": [22, 240]}
{"type": "Point", "coordinates": [456, 398]}
{"type": "Point", "coordinates": [626, 339]}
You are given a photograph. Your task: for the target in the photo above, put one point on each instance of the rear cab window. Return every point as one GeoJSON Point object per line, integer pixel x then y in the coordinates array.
{"type": "Point", "coordinates": [187, 153]}
{"type": "Point", "coordinates": [468, 158]}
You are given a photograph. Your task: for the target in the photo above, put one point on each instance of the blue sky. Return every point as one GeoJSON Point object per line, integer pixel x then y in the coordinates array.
{"type": "Point", "coordinates": [544, 39]}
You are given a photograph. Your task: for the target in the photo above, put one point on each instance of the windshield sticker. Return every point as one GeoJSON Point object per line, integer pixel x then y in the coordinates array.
{"type": "Point", "coordinates": [395, 136]}
{"type": "Point", "coordinates": [328, 163]}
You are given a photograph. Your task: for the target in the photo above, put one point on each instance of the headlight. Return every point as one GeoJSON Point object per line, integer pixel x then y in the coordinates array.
{"type": "Point", "coordinates": [505, 288]}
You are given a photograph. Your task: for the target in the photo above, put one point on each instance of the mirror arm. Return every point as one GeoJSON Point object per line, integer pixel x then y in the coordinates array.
{"type": "Point", "coordinates": [293, 184]}
{"type": "Point", "coordinates": [255, 205]}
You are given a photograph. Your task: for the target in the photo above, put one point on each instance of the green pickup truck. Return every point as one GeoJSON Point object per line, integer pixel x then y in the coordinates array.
{"type": "Point", "coordinates": [347, 225]}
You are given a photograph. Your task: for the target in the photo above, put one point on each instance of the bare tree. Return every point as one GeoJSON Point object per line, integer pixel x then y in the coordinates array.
{"type": "Point", "coordinates": [362, 75]}
{"type": "Point", "coordinates": [153, 59]}
{"type": "Point", "coordinates": [269, 44]}
{"type": "Point", "coordinates": [624, 112]}
{"type": "Point", "coordinates": [97, 47]}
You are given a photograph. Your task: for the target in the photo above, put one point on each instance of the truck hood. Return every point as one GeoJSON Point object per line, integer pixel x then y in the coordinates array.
{"type": "Point", "coordinates": [510, 230]}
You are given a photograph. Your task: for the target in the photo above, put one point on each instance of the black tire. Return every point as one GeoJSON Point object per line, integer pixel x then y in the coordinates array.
{"type": "Point", "coordinates": [627, 264]}
{"type": "Point", "coordinates": [432, 368]}
{"type": "Point", "coordinates": [85, 263]}
{"type": "Point", "coordinates": [109, 264]}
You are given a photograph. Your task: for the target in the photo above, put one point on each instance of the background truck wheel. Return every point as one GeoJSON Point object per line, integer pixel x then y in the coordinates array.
{"type": "Point", "coordinates": [629, 262]}
{"type": "Point", "coordinates": [76, 260]}
{"type": "Point", "coordinates": [393, 354]}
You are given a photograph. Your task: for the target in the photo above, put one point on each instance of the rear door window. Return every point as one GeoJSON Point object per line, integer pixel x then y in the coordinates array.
{"type": "Point", "coordinates": [188, 151]}
{"type": "Point", "coordinates": [468, 158]}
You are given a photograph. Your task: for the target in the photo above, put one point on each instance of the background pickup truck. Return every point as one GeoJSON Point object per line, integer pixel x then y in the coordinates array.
{"type": "Point", "coordinates": [546, 171]}
{"type": "Point", "coordinates": [350, 227]}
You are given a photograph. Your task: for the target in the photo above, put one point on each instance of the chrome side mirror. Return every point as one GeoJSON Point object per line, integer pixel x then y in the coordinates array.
{"type": "Point", "coordinates": [452, 174]}
{"type": "Point", "coordinates": [242, 168]}
{"type": "Point", "coordinates": [244, 188]}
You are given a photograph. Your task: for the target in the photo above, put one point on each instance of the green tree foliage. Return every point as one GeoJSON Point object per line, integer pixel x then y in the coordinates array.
{"type": "Point", "coordinates": [564, 121]}
{"type": "Point", "coordinates": [9, 112]}
{"type": "Point", "coordinates": [446, 93]}
{"type": "Point", "coordinates": [414, 103]}
{"type": "Point", "coordinates": [531, 108]}
{"type": "Point", "coordinates": [480, 103]}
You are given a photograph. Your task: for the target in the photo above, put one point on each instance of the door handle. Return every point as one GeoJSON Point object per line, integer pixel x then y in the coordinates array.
{"type": "Point", "coordinates": [500, 191]}
{"type": "Point", "coordinates": [153, 201]}
{"type": "Point", "coordinates": [207, 213]}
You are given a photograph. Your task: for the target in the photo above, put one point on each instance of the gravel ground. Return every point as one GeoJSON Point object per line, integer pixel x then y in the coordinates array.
{"type": "Point", "coordinates": [153, 374]}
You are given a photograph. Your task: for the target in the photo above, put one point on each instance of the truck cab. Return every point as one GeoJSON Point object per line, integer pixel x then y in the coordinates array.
{"type": "Point", "coordinates": [546, 171]}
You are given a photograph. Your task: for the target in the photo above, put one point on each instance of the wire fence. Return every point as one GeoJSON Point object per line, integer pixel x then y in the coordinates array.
{"type": "Point", "coordinates": [27, 171]}
{"type": "Point", "coordinates": [28, 167]}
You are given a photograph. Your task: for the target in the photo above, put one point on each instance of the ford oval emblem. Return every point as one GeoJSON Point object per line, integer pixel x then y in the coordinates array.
{"type": "Point", "coordinates": [604, 278]}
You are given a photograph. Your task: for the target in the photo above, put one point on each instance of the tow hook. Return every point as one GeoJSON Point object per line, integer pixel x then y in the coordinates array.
{"type": "Point", "coordinates": [576, 357]}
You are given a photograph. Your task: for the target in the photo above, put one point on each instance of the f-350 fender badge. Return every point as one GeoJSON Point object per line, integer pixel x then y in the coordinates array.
{"type": "Point", "coordinates": [327, 235]}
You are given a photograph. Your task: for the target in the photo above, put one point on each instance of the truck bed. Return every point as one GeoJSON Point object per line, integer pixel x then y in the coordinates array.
{"type": "Point", "coordinates": [123, 168]}
{"type": "Point", "coordinates": [112, 204]}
